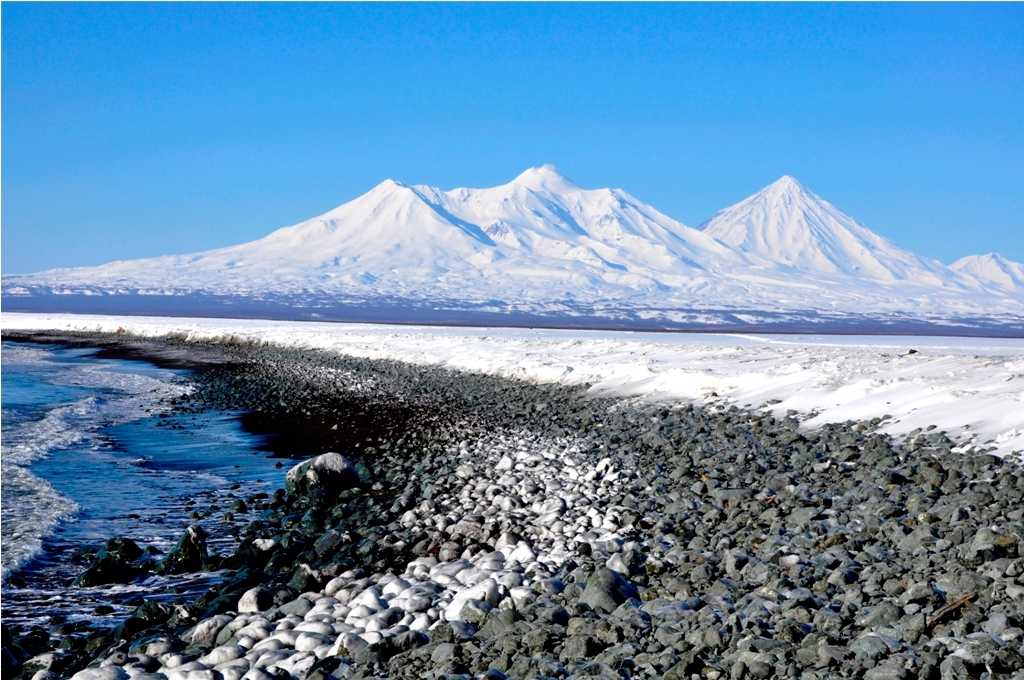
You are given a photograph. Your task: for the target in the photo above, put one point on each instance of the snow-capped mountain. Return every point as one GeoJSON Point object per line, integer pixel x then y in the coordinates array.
{"type": "Point", "coordinates": [539, 236]}
{"type": "Point", "coordinates": [541, 245]}
{"type": "Point", "coordinates": [786, 225]}
{"type": "Point", "coordinates": [992, 268]}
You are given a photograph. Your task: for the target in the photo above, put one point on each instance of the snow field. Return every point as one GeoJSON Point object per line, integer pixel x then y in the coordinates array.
{"type": "Point", "coordinates": [971, 388]}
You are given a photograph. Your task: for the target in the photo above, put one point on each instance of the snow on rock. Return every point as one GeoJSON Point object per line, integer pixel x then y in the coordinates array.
{"type": "Point", "coordinates": [356, 610]}
{"type": "Point", "coordinates": [972, 388]}
{"type": "Point", "coordinates": [330, 471]}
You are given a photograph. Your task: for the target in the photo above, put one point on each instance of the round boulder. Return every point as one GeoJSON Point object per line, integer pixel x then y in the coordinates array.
{"type": "Point", "coordinates": [255, 600]}
{"type": "Point", "coordinates": [330, 472]}
{"type": "Point", "coordinates": [606, 590]}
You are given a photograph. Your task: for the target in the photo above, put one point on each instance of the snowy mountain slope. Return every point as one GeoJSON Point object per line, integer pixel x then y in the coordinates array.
{"type": "Point", "coordinates": [538, 236]}
{"type": "Point", "coordinates": [992, 268]}
{"type": "Point", "coordinates": [786, 225]}
{"type": "Point", "coordinates": [543, 245]}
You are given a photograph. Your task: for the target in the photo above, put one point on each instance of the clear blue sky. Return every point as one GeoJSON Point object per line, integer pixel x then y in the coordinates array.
{"type": "Point", "coordinates": [133, 130]}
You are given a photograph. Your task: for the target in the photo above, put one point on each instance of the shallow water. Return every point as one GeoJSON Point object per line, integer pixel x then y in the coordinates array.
{"type": "Point", "coordinates": [90, 453]}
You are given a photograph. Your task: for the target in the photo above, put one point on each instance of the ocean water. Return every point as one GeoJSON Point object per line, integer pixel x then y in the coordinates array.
{"type": "Point", "coordinates": [89, 452]}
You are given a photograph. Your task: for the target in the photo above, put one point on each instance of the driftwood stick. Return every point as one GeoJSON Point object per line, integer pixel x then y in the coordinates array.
{"type": "Point", "coordinates": [949, 608]}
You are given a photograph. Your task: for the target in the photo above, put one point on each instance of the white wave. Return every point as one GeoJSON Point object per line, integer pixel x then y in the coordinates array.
{"type": "Point", "coordinates": [32, 508]}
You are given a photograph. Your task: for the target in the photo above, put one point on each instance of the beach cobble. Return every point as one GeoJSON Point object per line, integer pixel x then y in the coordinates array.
{"type": "Point", "coordinates": [470, 526]}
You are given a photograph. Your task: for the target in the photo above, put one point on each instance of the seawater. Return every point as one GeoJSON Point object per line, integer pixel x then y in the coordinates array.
{"type": "Point", "coordinates": [91, 451]}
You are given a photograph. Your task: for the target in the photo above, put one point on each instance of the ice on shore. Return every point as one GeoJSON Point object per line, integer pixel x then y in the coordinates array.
{"type": "Point", "coordinates": [971, 388]}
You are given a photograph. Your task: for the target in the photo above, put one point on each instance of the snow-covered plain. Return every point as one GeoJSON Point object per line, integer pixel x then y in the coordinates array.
{"type": "Point", "coordinates": [971, 388]}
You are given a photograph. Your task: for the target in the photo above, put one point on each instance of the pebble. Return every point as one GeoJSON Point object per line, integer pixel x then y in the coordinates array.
{"type": "Point", "coordinates": [594, 537]}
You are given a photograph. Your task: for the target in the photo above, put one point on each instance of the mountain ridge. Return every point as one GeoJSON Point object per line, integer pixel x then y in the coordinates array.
{"type": "Point", "coordinates": [993, 268]}
{"type": "Point", "coordinates": [544, 245]}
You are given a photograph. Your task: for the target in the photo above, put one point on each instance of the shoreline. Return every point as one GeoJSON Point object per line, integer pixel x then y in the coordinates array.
{"type": "Point", "coordinates": [728, 321]}
{"type": "Point", "coordinates": [125, 464]}
{"type": "Point", "coordinates": [541, 530]}
{"type": "Point", "coordinates": [970, 388]}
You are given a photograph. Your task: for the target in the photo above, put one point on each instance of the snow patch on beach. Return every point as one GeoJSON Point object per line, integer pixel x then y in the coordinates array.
{"type": "Point", "coordinates": [971, 388]}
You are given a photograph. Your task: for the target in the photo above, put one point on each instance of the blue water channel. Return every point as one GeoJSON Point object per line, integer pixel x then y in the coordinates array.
{"type": "Point", "coordinates": [92, 450]}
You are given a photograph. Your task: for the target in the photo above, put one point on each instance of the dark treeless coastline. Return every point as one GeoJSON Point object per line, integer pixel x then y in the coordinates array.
{"type": "Point", "coordinates": [469, 525]}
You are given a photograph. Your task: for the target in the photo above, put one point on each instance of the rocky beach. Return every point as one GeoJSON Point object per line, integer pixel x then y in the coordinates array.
{"type": "Point", "coordinates": [438, 523]}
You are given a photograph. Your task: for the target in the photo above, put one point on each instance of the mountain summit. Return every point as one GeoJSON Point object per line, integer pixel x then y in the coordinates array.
{"type": "Point", "coordinates": [992, 268]}
{"type": "Point", "coordinates": [545, 178]}
{"type": "Point", "coordinates": [543, 246]}
{"type": "Point", "coordinates": [785, 224]}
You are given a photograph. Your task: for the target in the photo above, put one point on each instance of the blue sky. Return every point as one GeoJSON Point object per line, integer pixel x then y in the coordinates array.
{"type": "Point", "coordinates": [133, 130]}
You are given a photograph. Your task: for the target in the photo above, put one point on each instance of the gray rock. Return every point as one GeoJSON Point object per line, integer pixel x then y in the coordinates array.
{"type": "Point", "coordinates": [886, 672]}
{"type": "Point", "coordinates": [803, 516]}
{"type": "Point", "coordinates": [188, 554]}
{"type": "Point", "coordinates": [497, 623]}
{"type": "Point", "coordinates": [529, 667]}
{"type": "Point", "coordinates": [300, 606]}
{"type": "Point", "coordinates": [392, 646]}
{"type": "Point", "coordinates": [883, 614]}
{"type": "Point", "coordinates": [257, 599]}
{"type": "Point", "coordinates": [330, 472]}
{"type": "Point", "coordinates": [869, 646]}
{"type": "Point", "coordinates": [606, 590]}
{"type": "Point", "coordinates": [579, 647]}
{"type": "Point", "coordinates": [952, 668]}
{"type": "Point", "coordinates": [444, 651]}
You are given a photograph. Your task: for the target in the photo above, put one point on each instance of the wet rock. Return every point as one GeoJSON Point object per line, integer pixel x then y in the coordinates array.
{"type": "Point", "coordinates": [305, 579]}
{"type": "Point", "coordinates": [53, 662]}
{"type": "Point", "coordinates": [330, 472]}
{"type": "Point", "coordinates": [188, 554]}
{"type": "Point", "coordinates": [115, 563]}
{"type": "Point", "coordinates": [154, 612]}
